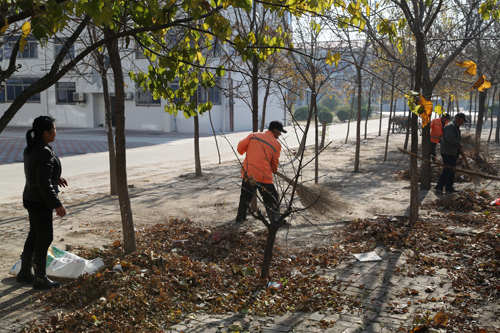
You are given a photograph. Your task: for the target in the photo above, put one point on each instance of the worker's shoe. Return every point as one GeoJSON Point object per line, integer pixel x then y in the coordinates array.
{"type": "Point", "coordinates": [44, 283]}
{"type": "Point", "coordinates": [438, 192]}
{"type": "Point", "coordinates": [25, 275]}
{"type": "Point", "coordinates": [450, 191]}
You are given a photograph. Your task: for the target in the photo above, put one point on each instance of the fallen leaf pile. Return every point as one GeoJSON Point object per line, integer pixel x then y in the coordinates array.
{"type": "Point", "coordinates": [464, 246]}
{"type": "Point", "coordinates": [177, 271]}
{"type": "Point", "coordinates": [463, 201]}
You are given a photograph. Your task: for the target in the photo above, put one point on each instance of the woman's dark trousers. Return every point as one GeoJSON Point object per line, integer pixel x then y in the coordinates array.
{"type": "Point", "coordinates": [39, 239]}
{"type": "Point", "coordinates": [269, 196]}
{"type": "Point", "coordinates": [448, 175]}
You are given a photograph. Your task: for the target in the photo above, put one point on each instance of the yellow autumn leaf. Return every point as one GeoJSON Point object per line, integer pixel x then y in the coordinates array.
{"type": "Point", "coordinates": [26, 28]}
{"type": "Point", "coordinates": [426, 104]}
{"type": "Point", "coordinates": [482, 84]}
{"type": "Point", "coordinates": [470, 65]}
{"type": "Point", "coordinates": [438, 109]}
{"type": "Point", "coordinates": [22, 43]}
{"type": "Point", "coordinates": [4, 27]}
{"type": "Point", "coordinates": [452, 98]}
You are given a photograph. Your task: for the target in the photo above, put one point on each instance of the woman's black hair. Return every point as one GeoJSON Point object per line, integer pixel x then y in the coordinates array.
{"type": "Point", "coordinates": [40, 124]}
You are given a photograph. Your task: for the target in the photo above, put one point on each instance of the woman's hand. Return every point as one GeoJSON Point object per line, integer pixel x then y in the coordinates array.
{"type": "Point", "coordinates": [63, 182]}
{"type": "Point", "coordinates": [61, 211]}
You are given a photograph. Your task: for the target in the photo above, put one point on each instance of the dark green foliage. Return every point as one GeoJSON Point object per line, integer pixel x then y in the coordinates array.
{"type": "Point", "coordinates": [301, 113]}
{"type": "Point", "coordinates": [325, 117]}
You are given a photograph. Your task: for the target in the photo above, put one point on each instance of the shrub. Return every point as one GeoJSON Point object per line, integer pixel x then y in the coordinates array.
{"type": "Point", "coordinates": [325, 117]}
{"type": "Point", "coordinates": [301, 113]}
{"type": "Point", "coordinates": [343, 112]}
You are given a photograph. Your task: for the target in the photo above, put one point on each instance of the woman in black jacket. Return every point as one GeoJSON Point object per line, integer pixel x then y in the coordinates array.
{"type": "Point", "coordinates": [42, 169]}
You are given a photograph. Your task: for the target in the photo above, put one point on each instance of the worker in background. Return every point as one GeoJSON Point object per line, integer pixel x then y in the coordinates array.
{"type": "Point", "coordinates": [261, 162]}
{"type": "Point", "coordinates": [437, 126]}
{"type": "Point", "coordinates": [450, 150]}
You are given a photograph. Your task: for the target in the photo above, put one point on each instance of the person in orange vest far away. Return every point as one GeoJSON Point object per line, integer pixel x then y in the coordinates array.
{"type": "Point", "coordinates": [261, 162]}
{"type": "Point", "coordinates": [437, 126]}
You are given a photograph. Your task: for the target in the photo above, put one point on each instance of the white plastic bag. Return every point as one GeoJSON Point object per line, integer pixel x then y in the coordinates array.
{"type": "Point", "coordinates": [65, 264]}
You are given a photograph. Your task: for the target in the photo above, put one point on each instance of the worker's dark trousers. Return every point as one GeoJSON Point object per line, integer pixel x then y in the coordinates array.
{"type": "Point", "coordinates": [269, 196]}
{"type": "Point", "coordinates": [433, 150]}
{"type": "Point", "coordinates": [39, 239]}
{"type": "Point", "coordinates": [448, 175]}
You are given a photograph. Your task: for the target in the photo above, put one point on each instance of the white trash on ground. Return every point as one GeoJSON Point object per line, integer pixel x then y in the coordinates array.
{"type": "Point", "coordinates": [367, 256]}
{"type": "Point", "coordinates": [65, 264]}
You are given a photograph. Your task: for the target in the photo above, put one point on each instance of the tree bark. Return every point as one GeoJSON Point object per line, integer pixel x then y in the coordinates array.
{"type": "Point", "coordinates": [470, 108]}
{"type": "Point", "coordinates": [390, 120]}
{"type": "Point", "coordinates": [408, 126]}
{"type": "Point", "coordinates": [349, 120]}
{"type": "Point", "coordinates": [197, 161]}
{"type": "Point", "coordinates": [129, 244]}
{"type": "Point", "coordinates": [255, 94]}
{"type": "Point", "coordinates": [497, 132]}
{"type": "Point", "coordinates": [264, 105]}
{"type": "Point", "coordinates": [381, 103]}
{"type": "Point", "coordinates": [491, 113]}
{"type": "Point", "coordinates": [358, 121]}
{"type": "Point", "coordinates": [268, 251]}
{"type": "Point", "coordinates": [323, 135]}
{"type": "Point", "coordinates": [369, 107]}
{"type": "Point", "coordinates": [109, 133]}
{"type": "Point", "coordinates": [479, 125]}
{"type": "Point", "coordinates": [316, 143]}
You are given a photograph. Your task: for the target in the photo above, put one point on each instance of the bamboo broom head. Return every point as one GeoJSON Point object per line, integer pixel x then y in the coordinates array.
{"type": "Point", "coordinates": [317, 198]}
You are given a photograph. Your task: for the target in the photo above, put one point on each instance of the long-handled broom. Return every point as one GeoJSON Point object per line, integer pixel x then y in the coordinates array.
{"type": "Point", "coordinates": [316, 198]}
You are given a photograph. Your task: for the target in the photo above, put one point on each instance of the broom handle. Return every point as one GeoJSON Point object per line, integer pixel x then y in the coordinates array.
{"type": "Point", "coordinates": [480, 174]}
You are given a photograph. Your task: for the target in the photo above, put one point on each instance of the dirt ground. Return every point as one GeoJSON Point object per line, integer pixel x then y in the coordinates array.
{"type": "Point", "coordinates": [93, 218]}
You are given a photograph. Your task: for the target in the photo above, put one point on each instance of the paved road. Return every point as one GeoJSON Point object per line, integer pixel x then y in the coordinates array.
{"type": "Point", "coordinates": [166, 151]}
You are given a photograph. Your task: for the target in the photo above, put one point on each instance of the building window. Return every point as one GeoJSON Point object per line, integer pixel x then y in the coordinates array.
{"type": "Point", "coordinates": [30, 49]}
{"type": "Point", "coordinates": [58, 45]}
{"type": "Point", "coordinates": [145, 97]}
{"type": "Point", "coordinates": [139, 52]}
{"type": "Point", "coordinates": [214, 94]}
{"type": "Point", "coordinates": [64, 92]}
{"type": "Point", "coordinates": [14, 88]}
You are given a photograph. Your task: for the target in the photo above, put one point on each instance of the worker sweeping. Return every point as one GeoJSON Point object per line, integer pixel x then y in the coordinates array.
{"type": "Point", "coordinates": [437, 126]}
{"type": "Point", "coordinates": [261, 162]}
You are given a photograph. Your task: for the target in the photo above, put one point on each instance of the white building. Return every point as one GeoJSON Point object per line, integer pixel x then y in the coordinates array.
{"type": "Point", "coordinates": [77, 99]}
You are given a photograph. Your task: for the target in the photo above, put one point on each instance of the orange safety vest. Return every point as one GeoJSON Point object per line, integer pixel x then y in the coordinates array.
{"type": "Point", "coordinates": [263, 153]}
{"type": "Point", "coordinates": [436, 130]}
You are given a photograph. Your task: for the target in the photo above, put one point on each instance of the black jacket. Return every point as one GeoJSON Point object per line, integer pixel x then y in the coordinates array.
{"type": "Point", "coordinates": [42, 169]}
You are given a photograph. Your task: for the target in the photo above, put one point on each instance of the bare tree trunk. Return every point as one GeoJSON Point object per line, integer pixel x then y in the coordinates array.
{"type": "Point", "coordinates": [479, 124]}
{"type": "Point", "coordinates": [323, 135]}
{"type": "Point", "coordinates": [231, 103]}
{"type": "Point", "coordinates": [129, 244]}
{"type": "Point", "coordinates": [349, 120]}
{"type": "Point", "coordinates": [470, 109]}
{"type": "Point", "coordinates": [491, 113]}
{"type": "Point", "coordinates": [381, 103]}
{"type": "Point", "coordinates": [475, 109]}
{"type": "Point", "coordinates": [368, 110]}
{"type": "Point", "coordinates": [390, 120]}
{"type": "Point", "coordinates": [197, 161]}
{"type": "Point", "coordinates": [497, 132]}
{"type": "Point", "coordinates": [215, 134]}
{"type": "Point", "coordinates": [268, 251]}
{"type": "Point", "coordinates": [316, 143]}
{"type": "Point", "coordinates": [255, 94]}
{"type": "Point", "coordinates": [109, 134]}
{"type": "Point", "coordinates": [358, 122]}
{"type": "Point", "coordinates": [425, 168]}
{"type": "Point", "coordinates": [408, 127]}
{"type": "Point", "coordinates": [264, 105]}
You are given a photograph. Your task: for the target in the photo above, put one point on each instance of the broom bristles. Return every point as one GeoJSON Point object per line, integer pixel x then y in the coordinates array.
{"type": "Point", "coordinates": [316, 198]}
